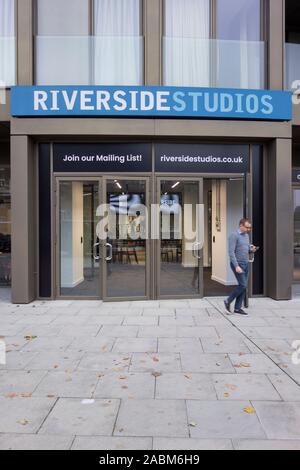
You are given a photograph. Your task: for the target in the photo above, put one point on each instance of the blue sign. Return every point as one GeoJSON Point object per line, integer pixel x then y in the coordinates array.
{"type": "Point", "coordinates": [154, 102]}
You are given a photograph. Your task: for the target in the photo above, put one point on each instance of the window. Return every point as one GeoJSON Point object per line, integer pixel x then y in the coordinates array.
{"type": "Point", "coordinates": [186, 42]}
{"type": "Point", "coordinates": [240, 49]}
{"type": "Point", "coordinates": [86, 42]}
{"type": "Point", "coordinates": [213, 43]}
{"type": "Point", "coordinates": [7, 42]}
{"type": "Point", "coordinates": [118, 42]}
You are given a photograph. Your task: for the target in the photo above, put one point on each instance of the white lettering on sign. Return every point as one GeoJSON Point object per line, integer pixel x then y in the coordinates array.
{"type": "Point", "coordinates": [92, 100]}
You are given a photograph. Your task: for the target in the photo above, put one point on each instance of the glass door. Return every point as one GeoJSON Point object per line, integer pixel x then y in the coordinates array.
{"type": "Point", "coordinates": [181, 237]}
{"type": "Point", "coordinates": [126, 232]}
{"type": "Point", "coordinates": [79, 247]}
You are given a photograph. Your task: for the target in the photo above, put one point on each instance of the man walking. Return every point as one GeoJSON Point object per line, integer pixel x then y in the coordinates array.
{"type": "Point", "coordinates": [239, 250]}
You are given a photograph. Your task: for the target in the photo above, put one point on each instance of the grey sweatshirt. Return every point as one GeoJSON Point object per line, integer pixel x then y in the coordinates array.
{"type": "Point", "coordinates": [239, 248]}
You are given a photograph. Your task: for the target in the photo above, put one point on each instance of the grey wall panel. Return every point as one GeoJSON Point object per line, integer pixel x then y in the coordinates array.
{"type": "Point", "coordinates": [23, 189]}
{"type": "Point", "coordinates": [279, 220]}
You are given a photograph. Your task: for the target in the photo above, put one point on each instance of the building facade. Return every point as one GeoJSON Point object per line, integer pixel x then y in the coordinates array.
{"type": "Point", "coordinates": [74, 152]}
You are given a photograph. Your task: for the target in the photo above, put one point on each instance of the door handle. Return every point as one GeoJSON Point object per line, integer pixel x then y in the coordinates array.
{"type": "Point", "coordinates": [96, 257]}
{"type": "Point", "coordinates": [197, 247]}
{"type": "Point", "coordinates": [109, 257]}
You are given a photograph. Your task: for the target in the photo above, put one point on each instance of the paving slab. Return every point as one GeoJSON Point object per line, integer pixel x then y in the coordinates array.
{"type": "Point", "coordinates": [253, 364]}
{"type": "Point", "coordinates": [185, 386]}
{"type": "Point", "coordinates": [119, 331]}
{"type": "Point", "coordinates": [71, 416]}
{"type": "Point", "coordinates": [126, 386]}
{"type": "Point", "coordinates": [112, 443]}
{"type": "Point", "coordinates": [18, 360]}
{"type": "Point", "coordinates": [279, 420]}
{"type": "Point", "coordinates": [141, 320]}
{"type": "Point", "coordinates": [286, 387]}
{"type": "Point", "coordinates": [244, 387]}
{"type": "Point", "coordinates": [68, 384]}
{"type": "Point", "coordinates": [178, 345]}
{"type": "Point", "coordinates": [34, 442]}
{"type": "Point", "coordinates": [266, 445]}
{"type": "Point", "coordinates": [135, 345]}
{"type": "Point", "coordinates": [105, 362]}
{"type": "Point", "coordinates": [155, 362]}
{"type": "Point", "coordinates": [23, 415]}
{"type": "Point", "coordinates": [18, 382]}
{"type": "Point", "coordinates": [191, 444]}
{"type": "Point", "coordinates": [58, 361]}
{"type": "Point", "coordinates": [225, 420]}
{"type": "Point", "coordinates": [152, 418]}
{"type": "Point", "coordinates": [206, 363]}
{"type": "Point", "coordinates": [225, 345]}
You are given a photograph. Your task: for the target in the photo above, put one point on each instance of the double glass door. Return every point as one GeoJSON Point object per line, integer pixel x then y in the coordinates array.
{"type": "Point", "coordinates": [117, 239]}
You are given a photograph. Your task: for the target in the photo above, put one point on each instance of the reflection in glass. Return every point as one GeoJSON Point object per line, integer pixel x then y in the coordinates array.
{"type": "Point", "coordinates": [179, 272]}
{"type": "Point", "coordinates": [126, 238]}
{"type": "Point", "coordinates": [297, 235]}
{"type": "Point", "coordinates": [79, 267]}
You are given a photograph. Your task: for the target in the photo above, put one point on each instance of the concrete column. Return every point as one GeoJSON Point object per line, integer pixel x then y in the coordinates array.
{"type": "Point", "coordinates": [153, 34]}
{"type": "Point", "coordinates": [279, 220]}
{"type": "Point", "coordinates": [25, 22]}
{"type": "Point", "coordinates": [276, 42]}
{"type": "Point", "coordinates": [23, 199]}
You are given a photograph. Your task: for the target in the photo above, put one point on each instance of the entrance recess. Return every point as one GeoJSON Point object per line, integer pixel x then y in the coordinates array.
{"type": "Point", "coordinates": [181, 237]}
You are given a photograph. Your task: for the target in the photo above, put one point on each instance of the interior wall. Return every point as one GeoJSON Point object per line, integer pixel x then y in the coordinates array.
{"type": "Point", "coordinates": [231, 211]}
{"type": "Point", "coordinates": [72, 234]}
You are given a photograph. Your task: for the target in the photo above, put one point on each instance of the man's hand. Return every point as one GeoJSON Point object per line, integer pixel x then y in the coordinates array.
{"type": "Point", "coordinates": [239, 270]}
{"type": "Point", "coordinates": [253, 249]}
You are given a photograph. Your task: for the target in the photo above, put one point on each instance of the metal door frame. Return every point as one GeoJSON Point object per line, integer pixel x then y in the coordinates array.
{"type": "Point", "coordinates": [158, 179]}
{"type": "Point", "coordinates": [57, 284]}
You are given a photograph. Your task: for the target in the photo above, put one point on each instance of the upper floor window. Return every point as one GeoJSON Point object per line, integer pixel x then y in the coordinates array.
{"type": "Point", "coordinates": [214, 43]}
{"type": "Point", "coordinates": [292, 47]}
{"type": "Point", "coordinates": [7, 43]}
{"type": "Point", "coordinates": [89, 42]}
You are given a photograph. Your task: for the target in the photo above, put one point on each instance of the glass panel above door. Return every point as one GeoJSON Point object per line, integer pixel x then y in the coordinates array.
{"type": "Point", "coordinates": [79, 251]}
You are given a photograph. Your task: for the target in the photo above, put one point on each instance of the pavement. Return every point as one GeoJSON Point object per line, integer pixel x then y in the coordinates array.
{"type": "Point", "coordinates": [161, 375]}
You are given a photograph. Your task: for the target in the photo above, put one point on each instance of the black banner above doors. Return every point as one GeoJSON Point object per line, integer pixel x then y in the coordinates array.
{"type": "Point", "coordinates": [201, 158]}
{"type": "Point", "coordinates": [102, 158]}
{"type": "Point", "coordinates": [137, 158]}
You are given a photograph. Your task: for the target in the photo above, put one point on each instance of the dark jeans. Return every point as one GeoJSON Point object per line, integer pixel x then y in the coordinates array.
{"type": "Point", "coordinates": [239, 292]}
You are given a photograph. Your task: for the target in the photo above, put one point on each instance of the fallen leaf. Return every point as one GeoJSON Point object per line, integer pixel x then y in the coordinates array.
{"type": "Point", "coordinates": [188, 377]}
{"type": "Point", "coordinates": [156, 374]}
{"type": "Point", "coordinates": [29, 337]}
{"type": "Point", "coordinates": [11, 395]}
{"type": "Point", "coordinates": [155, 359]}
{"type": "Point", "coordinates": [26, 395]}
{"type": "Point", "coordinates": [231, 387]}
{"type": "Point", "coordinates": [226, 395]}
{"type": "Point", "coordinates": [192, 424]}
{"type": "Point", "coordinates": [125, 387]}
{"type": "Point", "coordinates": [249, 410]}
{"type": "Point", "coordinates": [23, 422]}
{"type": "Point", "coordinates": [242, 364]}
{"type": "Point", "coordinates": [123, 378]}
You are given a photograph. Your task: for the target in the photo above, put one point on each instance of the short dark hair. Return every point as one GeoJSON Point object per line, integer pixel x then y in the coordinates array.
{"type": "Point", "coordinates": [244, 221]}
